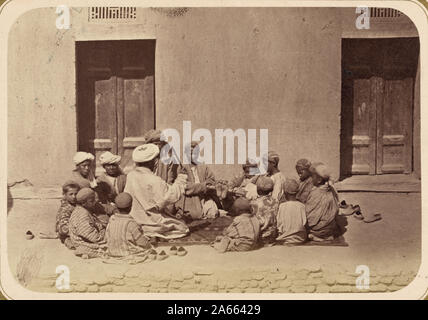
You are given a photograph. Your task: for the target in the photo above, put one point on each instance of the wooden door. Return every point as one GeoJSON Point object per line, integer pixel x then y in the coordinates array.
{"type": "Point", "coordinates": [382, 126]}
{"type": "Point", "coordinates": [364, 126]}
{"type": "Point", "coordinates": [377, 105]}
{"type": "Point", "coordinates": [115, 96]}
{"type": "Point", "coordinates": [394, 127]}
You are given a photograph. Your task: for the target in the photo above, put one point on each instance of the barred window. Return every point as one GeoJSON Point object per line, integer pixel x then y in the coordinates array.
{"type": "Point", "coordinates": [112, 13]}
{"type": "Point", "coordinates": [384, 13]}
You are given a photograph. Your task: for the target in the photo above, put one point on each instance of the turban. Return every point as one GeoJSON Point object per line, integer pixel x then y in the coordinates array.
{"type": "Point", "coordinates": [273, 156]}
{"type": "Point", "coordinates": [109, 158]}
{"type": "Point", "coordinates": [321, 170]}
{"type": "Point", "coordinates": [145, 152]}
{"type": "Point", "coordinates": [241, 205]}
{"type": "Point", "coordinates": [291, 186]}
{"type": "Point", "coordinates": [80, 156]}
{"type": "Point", "coordinates": [303, 163]}
{"type": "Point", "coordinates": [123, 200]}
{"type": "Point", "coordinates": [264, 184]}
{"type": "Point", "coordinates": [84, 194]}
{"type": "Point", "coordinates": [153, 136]}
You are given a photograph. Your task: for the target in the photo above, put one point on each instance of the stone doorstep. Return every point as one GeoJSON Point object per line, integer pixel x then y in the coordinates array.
{"type": "Point", "coordinates": [29, 193]}
{"type": "Point", "coordinates": [394, 183]}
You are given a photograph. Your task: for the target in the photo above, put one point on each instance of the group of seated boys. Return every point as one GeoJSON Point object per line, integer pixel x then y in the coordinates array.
{"type": "Point", "coordinates": [122, 215]}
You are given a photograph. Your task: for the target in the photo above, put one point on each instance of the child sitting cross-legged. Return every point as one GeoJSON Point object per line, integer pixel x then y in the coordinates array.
{"type": "Point", "coordinates": [265, 209]}
{"type": "Point", "coordinates": [291, 217]}
{"type": "Point", "coordinates": [68, 204]}
{"type": "Point", "coordinates": [243, 233]}
{"type": "Point", "coordinates": [123, 235]}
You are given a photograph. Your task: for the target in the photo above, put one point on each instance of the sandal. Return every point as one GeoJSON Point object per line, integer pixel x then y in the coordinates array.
{"type": "Point", "coordinates": [29, 235]}
{"type": "Point", "coordinates": [162, 256]}
{"type": "Point", "coordinates": [372, 218]}
{"type": "Point", "coordinates": [181, 252]}
{"type": "Point", "coordinates": [152, 254]}
{"type": "Point", "coordinates": [173, 251]}
{"type": "Point", "coordinates": [343, 204]}
{"type": "Point", "coordinates": [357, 215]}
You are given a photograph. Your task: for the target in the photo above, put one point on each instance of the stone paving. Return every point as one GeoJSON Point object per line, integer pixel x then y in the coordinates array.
{"type": "Point", "coordinates": [390, 248]}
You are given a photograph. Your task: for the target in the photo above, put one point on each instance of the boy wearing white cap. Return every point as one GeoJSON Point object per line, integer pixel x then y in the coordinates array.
{"type": "Point", "coordinates": [113, 180]}
{"type": "Point", "coordinates": [83, 173]}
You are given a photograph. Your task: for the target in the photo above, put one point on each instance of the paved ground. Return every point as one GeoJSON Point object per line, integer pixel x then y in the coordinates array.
{"type": "Point", "coordinates": [394, 243]}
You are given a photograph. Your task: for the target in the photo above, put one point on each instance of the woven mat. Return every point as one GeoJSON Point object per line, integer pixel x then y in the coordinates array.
{"type": "Point", "coordinates": [201, 232]}
{"type": "Point", "coordinates": [336, 242]}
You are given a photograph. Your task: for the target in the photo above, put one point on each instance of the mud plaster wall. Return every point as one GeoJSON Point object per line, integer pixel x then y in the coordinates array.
{"type": "Point", "coordinates": [219, 68]}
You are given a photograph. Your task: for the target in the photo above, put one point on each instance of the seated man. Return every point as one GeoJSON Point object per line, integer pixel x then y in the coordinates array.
{"type": "Point", "coordinates": [152, 195]}
{"type": "Point", "coordinates": [305, 186]}
{"type": "Point", "coordinates": [200, 189]}
{"type": "Point", "coordinates": [123, 235]}
{"type": "Point", "coordinates": [276, 175]}
{"type": "Point", "coordinates": [242, 185]}
{"type": "Point", "coordinates": [85, 230]}
{"type": "Point", "coordinates": [83, 174]}
{"type": "Point", "coordinates": [322, 206]}
{"type": "Point", "coordinates": [113, 180]}
{"type": "Point", "coordinates": [246, 182]}
{"type": "Point", "coordinates": [168, 172]}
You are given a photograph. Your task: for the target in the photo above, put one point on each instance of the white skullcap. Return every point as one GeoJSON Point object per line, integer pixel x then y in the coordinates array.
{"type": "Point", "coordinates": [322, 170]}
{"type": "Point", "coordinates": [145, 152]}
{"type": "Point", "coordinates": [109, 158]}
{"type": "Point", "coordinates": [80, 156]}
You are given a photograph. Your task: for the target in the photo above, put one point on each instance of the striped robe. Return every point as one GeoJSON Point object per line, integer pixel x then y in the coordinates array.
{"type": "Point", "coordinates": [86, 231]}
{"type": "Point", "coordinates": [124, 237]}
{"type": "Point", "coordinates": [243, 233]}
{"type": "Point", "coordinates": [63, 218]}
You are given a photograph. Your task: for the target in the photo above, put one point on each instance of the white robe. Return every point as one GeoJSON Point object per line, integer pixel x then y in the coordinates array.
{"type": "Point", "coordinates": [150, 196]}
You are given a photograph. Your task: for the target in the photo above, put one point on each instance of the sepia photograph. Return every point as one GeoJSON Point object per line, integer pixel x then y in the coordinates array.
{"type": "Point", "coordinates": [212, 150]}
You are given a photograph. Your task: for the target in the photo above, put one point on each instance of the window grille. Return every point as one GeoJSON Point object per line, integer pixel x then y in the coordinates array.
{"type": "Point", "coordinates": [384, 13]}
{"type": "Point", "coordinates": [110, 14]}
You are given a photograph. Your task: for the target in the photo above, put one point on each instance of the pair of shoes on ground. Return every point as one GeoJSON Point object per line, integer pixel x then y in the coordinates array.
{"type": "Point", "coordinates": [348, 209]}
{"type": "Point", "coordinates": [153, 255]}
{"type": "Point", "coordinates": [180, 251]}
{"type": "Point", "coordinates": [355, 211]}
